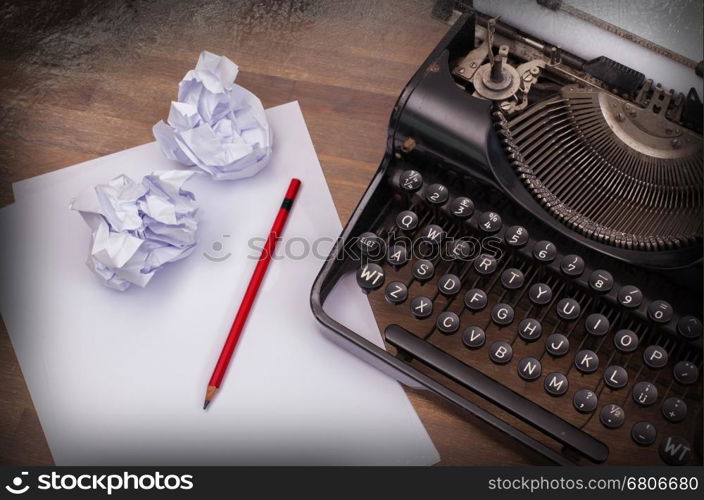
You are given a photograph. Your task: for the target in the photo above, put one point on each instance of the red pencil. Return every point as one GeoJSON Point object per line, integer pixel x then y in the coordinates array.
{"type": "Point", "coordinates": [251, 293]}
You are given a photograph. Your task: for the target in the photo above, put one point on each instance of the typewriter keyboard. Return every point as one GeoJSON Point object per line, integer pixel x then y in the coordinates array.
{"type": "Point", "coordinates": [581, 350]}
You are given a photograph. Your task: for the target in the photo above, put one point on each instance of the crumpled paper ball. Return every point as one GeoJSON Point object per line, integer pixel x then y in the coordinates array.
{"type": "Point", "coordinates": [138, 227]}
{"type": "Point", "coordinates": [216, 125]}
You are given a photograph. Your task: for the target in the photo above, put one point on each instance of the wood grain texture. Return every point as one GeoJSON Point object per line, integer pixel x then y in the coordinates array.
{"type": "Point", "coordinates": [84, 79]}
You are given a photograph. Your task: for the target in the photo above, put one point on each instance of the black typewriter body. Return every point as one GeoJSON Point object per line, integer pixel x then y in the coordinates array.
{"type": "Point", "coordinates": [533, 256]}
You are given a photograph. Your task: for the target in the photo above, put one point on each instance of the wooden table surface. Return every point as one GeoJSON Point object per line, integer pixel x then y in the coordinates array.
{"type": "Point", "coordinates": [81, 80]}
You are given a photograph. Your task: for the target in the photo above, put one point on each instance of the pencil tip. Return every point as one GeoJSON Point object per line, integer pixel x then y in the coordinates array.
{"type": "Point", "coordinates": [209, 394]}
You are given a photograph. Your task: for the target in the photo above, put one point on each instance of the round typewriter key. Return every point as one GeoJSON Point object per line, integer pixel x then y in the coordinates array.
{"type": "Point", "coordinates": [545, 251]}
{"type": "Point", "coordinates": [645, 393]}
{"type": "Point", "coordinates": [529, 369]}
{"type": "Point", "coordinates": [432, 234]}
{"type": "Point", "coordinates": [436, 194]}
{"type": "Point", "coordinates": [675, 450]}
{"type": "Point", "coordinates": [626, 341]}
{"type": "Point", "coordinates": [630, 296]}
{"type": "Point", "coordinates": [586, 361]}
{"type": "Point", "coordinates": [449, 285]}
{"type": "Point", "coordinates": [689, 327]}
{"type": "Point", "coordinates": [643, 433]}
{"type": "Point", "coordinates": [460, 250]}
{"type": "Point", "coordinates": [370, 277]}
{"type": "Point", "coordinates": [512, 278]}
{"type": "Point", "coordinates": [407, 220]}
{"type": "Point", "coordinates": [423, 270]}
{"type": "Point", "coordinates": [655, 356]}
{"type": "Point", "coordinates": [556, 384]}
{"type": "Point", "coordinates": [410, 181]}
{"type": "Point", "coordinates": [685, 372]}
{"type": "Point", "coordinates": [568, 309]}
{"type": "Point", "coordinates": [601, 281]}
{"type": "Point", "coordinates": [530, 329]}
{"type": "Point", "coordinates": [500, 352]}
{"type": "Point", "coordinates": [397, 255]}
{"type": "Point", "coordinates": [473, 337]}
{"type": "Point", "coordinates": [502, 314]}
{"type": "Point", "coordinates": [616, 377]}
{"type": "Point", "coordinates": [597, 325]}
{"type": "Point", "coordinates": [447, 322]}
{"type": "Point", "coordinates": [462, 207]}
{"type": "Point", "coordinates": [516, 236]}
{"type": "Point", "coordinates": [485, 264]}
{"type": "Point", "coordinates": [674, 410]}
{"type": "Point", "coordinates": [612, 416]}
{"type": "Point", "coordinates": [370, 244]}
{"type": "Point", "coordinates": [660, 311]}
{"type": "Point", "coordinates": [396, 292]}
{"type": "Point", "coordinates": [557, 345]}
{"type": "Point", "coordinates": [421, 307]}
{"type": "Point", "coordinates": [475, 299]}
{"type": "Point", "coordinates": [540, 294]}
{"type": "Point", "coordinates": [572, 265]}
{"type": "Point", "coordinates": [585, 401]}
{"type": "Point", "coordinates": [489, 222]}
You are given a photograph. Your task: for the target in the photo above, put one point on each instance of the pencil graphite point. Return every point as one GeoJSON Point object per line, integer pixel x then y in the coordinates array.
{"type": "Point", "coordinates": [209, 395]}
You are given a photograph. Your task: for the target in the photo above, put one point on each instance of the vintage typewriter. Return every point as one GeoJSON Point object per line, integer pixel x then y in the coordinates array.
{"type": "Point", "coordinates": [532, 243]}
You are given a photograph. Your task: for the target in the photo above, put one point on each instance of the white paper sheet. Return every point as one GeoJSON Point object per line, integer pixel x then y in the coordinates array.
{"type": "Point", "coordinates": [119, 377]}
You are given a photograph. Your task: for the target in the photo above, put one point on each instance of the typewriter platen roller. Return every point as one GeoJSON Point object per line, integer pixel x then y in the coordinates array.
{"type": "Point", "coordinates": [532, 244]}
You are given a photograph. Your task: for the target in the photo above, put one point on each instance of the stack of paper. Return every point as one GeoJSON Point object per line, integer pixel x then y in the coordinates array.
{"type": "Point", "coordinates": [119, 377]}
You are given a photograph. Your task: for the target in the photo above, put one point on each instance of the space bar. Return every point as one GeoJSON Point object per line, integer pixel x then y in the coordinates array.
{"type": "Point", "coordinates": [498, 394]}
